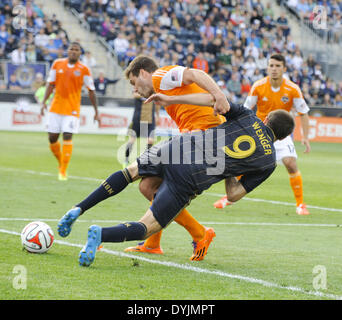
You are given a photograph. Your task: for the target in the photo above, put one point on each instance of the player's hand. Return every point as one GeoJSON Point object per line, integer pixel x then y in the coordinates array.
{"type": "Point", "coordinates": [159, 98]}
{"type": "Point", "coordinates": [42, 109]}
{"type": "Point", "coordinates": [97, 118]}
{"type": "Point", "coordinates": [221, 105]}
{"type": "Point", "coordinates": [306, 143]}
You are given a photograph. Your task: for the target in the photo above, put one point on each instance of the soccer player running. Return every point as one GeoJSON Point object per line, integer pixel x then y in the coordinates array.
{"type": "Point", "coordinates": [272, 93]}
{"type": "Point", "coordinates": [147, 79]}
{"type": "Point", "coordinates": [243, 145]}
{"type": "Point", "coordinates": [66, 78]}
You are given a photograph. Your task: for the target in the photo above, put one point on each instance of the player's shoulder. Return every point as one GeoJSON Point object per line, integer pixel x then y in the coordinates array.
{"type": "Point", "coordinates": [168, 77]}
{"type": "Point", "coordinates": [260, 83]}
{"type": "Point", "coordinates": [60, 61]}
{"type": "Point", "coordinates": [291, 85]}
{"type": "Point", "coordinates": [83, 67]}
{"type": "Point", "coordinates": [161, 72]}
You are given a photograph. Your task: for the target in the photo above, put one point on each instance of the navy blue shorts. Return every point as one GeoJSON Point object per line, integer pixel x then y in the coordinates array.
{"type": "Point", "coordinates": [175, 192]}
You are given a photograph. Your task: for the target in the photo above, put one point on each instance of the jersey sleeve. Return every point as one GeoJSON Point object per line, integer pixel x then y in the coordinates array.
{"type": "Point", "coordinates": [52, 74]}
{"type": "Point", "coordinates": [170, 79]}
{"type": "Point", "coordinates": [252, 98]}
{"type": "Point", "coordinates": [251, 180]}
{"type": "Point", "coordinates": [299, 102]}
{"type": "Point", "coordinates": [88, 80]}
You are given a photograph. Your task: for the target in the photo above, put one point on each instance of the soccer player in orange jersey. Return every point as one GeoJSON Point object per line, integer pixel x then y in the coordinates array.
{"type": "Point", "coordinates": [66, 78]}
{"type": "Point", "coordinates": [276, 92]}
{"type": "Point", "coordinates": [146, 78]}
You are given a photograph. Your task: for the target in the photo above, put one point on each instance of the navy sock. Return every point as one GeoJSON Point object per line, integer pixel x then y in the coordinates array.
{"type": "Point", "coordinates": [113, 185]}
{"type": "Point", "coordinates": [124, 232]}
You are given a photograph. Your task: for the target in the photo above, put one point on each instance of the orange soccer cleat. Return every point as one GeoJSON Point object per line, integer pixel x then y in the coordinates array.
{"type": "Point", "coordinates": [222, 203]}
{"type": "Point", "coordinates": [201, 247]}
{"type": "Point", "coordinates": [302, 210]}
{"type": "Point", "coordinates": [142, 248]}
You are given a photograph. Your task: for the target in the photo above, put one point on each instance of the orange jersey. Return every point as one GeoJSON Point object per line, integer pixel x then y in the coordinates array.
{"type": "Point", "coordinates": [268, 99]}
{"type": "Point", "coordinates": [168, 80]}
{"type": "Point", "coordinates": [68, 80]}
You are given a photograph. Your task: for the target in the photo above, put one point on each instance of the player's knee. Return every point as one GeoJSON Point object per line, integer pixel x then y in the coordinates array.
{"type": "Point", "coordinates": [53, 137]}
{"type": "Point", "coordinates": [149, 186]}
{"type": "Point", "coordinates": [290, 164]}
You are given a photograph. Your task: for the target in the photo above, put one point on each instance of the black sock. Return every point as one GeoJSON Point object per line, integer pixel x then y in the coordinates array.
{"type": "Point", "coordinates": [113, 185]}
{"type": "Point", "coordinates": [124, 232]}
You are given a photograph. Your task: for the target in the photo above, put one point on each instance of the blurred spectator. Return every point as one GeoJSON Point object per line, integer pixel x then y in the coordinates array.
{"type": "Point", "coordinates": [245, 88]}
{"type": "Point", "coordinates": [18, 55]}
{"type": "Point", "coordinates": [338, 100]}
{"type": "Point", "coordinates": [89, 60]}
{"type": "Point", "coordinates": [106, 26]}
{"type": "Point", "coordinates": [121, 45]}
{"type": "Point", "coordinates": [200, 62]}
{"type": "Point", "coordinates": [13, 84]}
{"type": "Point", "coordinates": [101, 83]}
{"type": "Point", "coordinates": [234, 85]}
{"type": "Point", "coordinates": [31, 54]}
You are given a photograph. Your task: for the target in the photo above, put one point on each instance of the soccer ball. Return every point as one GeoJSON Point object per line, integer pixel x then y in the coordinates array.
{"type": "Point", "coordinates": [37, 237]}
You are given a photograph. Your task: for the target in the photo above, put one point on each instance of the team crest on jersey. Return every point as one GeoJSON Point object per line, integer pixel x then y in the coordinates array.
{"type": "Point", "coordinates": [285, 99]}
{"type": "Point", "coordinates": [77, 73]}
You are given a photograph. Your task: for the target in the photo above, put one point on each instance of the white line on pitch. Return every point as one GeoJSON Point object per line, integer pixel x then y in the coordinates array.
{"type": "Point", "coordinates": [207, 193]}
{"type": "Point", "coordinates": [201, 270]}
{"type": "Point", "coordinates": [203, 222]}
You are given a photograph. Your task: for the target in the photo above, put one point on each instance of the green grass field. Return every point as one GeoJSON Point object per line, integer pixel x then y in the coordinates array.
{"type": "Point", "coordinates": [263, 249]}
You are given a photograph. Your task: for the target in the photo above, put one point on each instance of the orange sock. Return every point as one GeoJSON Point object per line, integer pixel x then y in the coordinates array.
{"type": "Point", "coordinates": [296, 183]}
{"type": "Point", "coordinates": [186, 220]}
{"type": "Point", "coordinates": [154, 240]}
{"type": "Point", "coordinates": [66, 155]}
{"type": "Point", "coordinates": [56, 150]}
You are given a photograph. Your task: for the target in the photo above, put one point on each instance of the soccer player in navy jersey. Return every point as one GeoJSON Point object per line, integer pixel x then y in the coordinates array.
{"type": "Point", "coordinates": [189, 164]}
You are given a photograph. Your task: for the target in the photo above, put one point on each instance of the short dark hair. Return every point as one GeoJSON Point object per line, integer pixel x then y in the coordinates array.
{"type": "Point", "coordinates": [75, 43]}
{"type": "Point", "coordinates": [141, 62]}
{"type": "Point", "coordinates": [281, 122]}
{"type": "Point", "coordinates": [278, 57]}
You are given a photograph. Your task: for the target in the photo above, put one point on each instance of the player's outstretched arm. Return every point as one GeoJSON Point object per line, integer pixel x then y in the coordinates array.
{"type": "Point", "coordinates": [198, 99]}
{"type": "Point", "coordinates": [202, 79]}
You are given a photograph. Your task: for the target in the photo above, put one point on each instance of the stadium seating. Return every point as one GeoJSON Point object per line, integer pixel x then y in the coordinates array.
{"type": "Point", "coordinates": [219, 29]}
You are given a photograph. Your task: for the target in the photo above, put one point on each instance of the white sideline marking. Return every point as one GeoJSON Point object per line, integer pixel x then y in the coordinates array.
{"type": "Point", "coordinates": [200, 270]}
{"type": "Point", "coordinates": [207, 193]}
{"type": "Point", "coordinates": [202, 222]}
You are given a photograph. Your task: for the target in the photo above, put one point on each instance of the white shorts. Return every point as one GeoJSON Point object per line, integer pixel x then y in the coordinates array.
{"type": "Point", "coordinates": [285, 148]}
{"type": "Point", "coordinates": [57, 123]}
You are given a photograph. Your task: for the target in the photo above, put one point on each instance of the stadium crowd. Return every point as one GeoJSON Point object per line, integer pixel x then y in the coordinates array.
{"type": "Point", "coordinates": [229, 39]}
{"type": "Point", "coordinates": [308, 10]}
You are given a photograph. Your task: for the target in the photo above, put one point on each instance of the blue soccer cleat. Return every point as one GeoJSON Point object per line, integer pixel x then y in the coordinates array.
{"type": "Point", "coordinates": [65, 224]}
{"type": "Point", "coordinates": [87, 254]}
